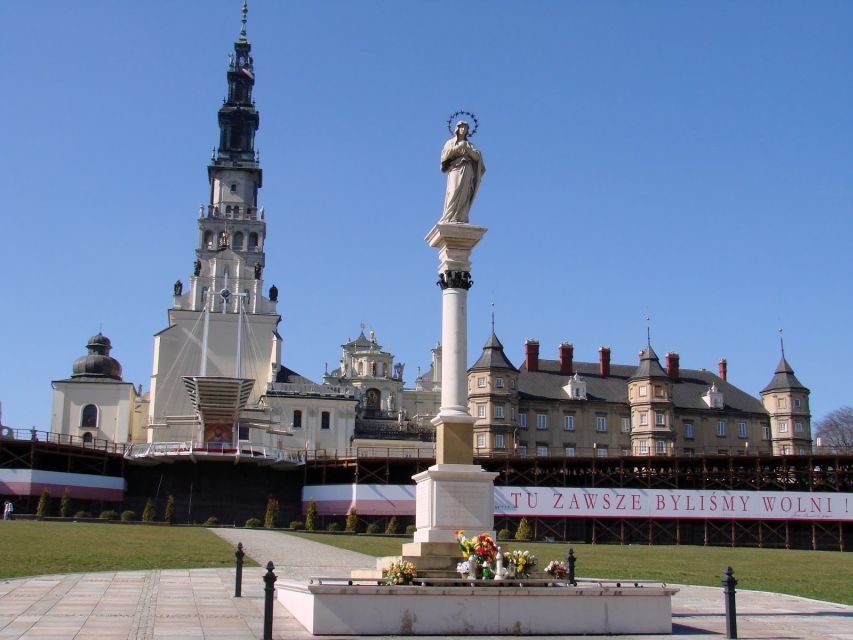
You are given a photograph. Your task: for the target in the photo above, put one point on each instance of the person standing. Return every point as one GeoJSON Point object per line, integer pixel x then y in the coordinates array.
{"type": "Point", "coordinates": [8, 508]}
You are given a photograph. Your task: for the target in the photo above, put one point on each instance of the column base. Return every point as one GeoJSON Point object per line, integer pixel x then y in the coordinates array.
{"type": "Point", "coordinates": [450, 497]}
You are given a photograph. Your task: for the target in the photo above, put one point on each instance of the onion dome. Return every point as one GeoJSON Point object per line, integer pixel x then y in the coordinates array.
{"type": "Point", "coordinates": [97, 363]}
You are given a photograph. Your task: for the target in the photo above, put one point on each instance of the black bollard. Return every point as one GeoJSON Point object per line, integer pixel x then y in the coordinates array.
{"type": "Point", "coordinates": [729, 583]}
{"type": "Point", "coordinates": [238, 577]}
{"type": "Point", "coordinates": [570, 564]}
{"type": "Point", "coordinates": [269, 590]}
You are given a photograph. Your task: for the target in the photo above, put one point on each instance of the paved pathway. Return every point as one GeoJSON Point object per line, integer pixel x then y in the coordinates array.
{"type": "Point", "coordinates": [199, 603]}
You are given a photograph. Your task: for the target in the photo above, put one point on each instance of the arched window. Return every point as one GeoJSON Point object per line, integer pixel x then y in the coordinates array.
{"type": "Point", "coordinates": [208, 239]}
{"type": "Point", "coordinates": [238, 241]}
{"type": "Point", "coordinates": [88, 437]}
{"type": "Point", "coordinates": [89, 417]}
{"type": "Point", "coordinates": [253, 241]}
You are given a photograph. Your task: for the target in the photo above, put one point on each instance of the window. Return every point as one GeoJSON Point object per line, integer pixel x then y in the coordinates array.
{"type": "Point", "coordinates": [765, 432]}
{"type": "Point", "coordinates": [688, 430]}
{"type": "Point", "coordinates": [243, 433]}
{"type": "Point", "coordinates": [499, 441]}
{"type": "Point", "coordinates": [643, 391]}
{"type": "Point", "coordinates": [541, 421]}
{"type": "Point", "coordinates": [522, 450]}
{"type": "Point", "coordinates": [481, 411]}
{"type": "Point", "coordinates": [233, 188]}
{"type": "Point", "coordinates": [237, 243]}
{"type": "Point", "coordinates": [658, 391]}
{"type": "Point", "coordinates": [569, 423]}
{"type": "Point", "coordinates": [481, 440]}
{"type": "Point", "coordinates": [780, 403]}
{"type": "Point", "coordinates": [644, 419]}
{"type": "Point", "coordinates": [512, 384]}
{"type": "Point", "coordinates": [542, 450]}
{"type": "Point", "coordinates": [512, 413]}
{"type": "Point", "coordinates": [660, 418]}
{"type": "Point", "coordinates": [660, 447]}
{"type": "Point", "coordinates": [786, 450]}
{"type": "Point", "coordinates": [499, 411]}
{"type": "Point", "coordinates": [499, 383]}
{"type": "Point", "coordinates": [801, 451]}
{"type": "Point", "coordinates": [721, 428]}
{"type": "Point", "coordinates": [626, 425]}
{"type": "Point", "coordinates": [253, 241]}
{"type": "Point", "coordinates": [601, 424]}
{"type": "Point", "coordinates": [783, 427]}
{"type": "Point", "coordinates": [297, 419]}
{"type": "Point", "coordinates": [797, 403]}
{"type": "Point", "coordinates": [689, 452]}
{"type": "Point", "coordinates": [89, 417]}
{"type": "Point", "coordinates": [325, 420]}
{"type": "Point", "coordinates": [601, 452]}
{"type": "Point", "coordinates": [522, 420]}
{"type": "Point", "coordinates": [644, 446]}
{"type": "Point", "coordinates": [569, 452]}
{"type": "Point", "coordinates": [741, 429]}
{"type": "Point", "coordinates": [481, 383]}
{"type": "Point", "coordinates": [798, 427]}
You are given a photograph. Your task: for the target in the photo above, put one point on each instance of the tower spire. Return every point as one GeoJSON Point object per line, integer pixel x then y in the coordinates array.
{"type": "Point", "coordinates": [782, 341]}
{"type": "Point", "coordinates": [245, 12]}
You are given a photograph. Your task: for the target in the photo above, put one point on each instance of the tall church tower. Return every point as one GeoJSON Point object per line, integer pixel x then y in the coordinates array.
{"type": "Point", "coordinates": [240, 330]}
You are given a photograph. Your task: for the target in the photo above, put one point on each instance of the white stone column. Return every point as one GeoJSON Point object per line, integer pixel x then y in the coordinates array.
{"type": "Point", "coordinates": [454, 493]}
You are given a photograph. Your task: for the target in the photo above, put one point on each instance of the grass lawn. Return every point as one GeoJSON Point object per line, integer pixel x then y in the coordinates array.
{"type": "Point", "coordinates": [824, 575]}
{"type": "Point", "coordinates": [32, 548]}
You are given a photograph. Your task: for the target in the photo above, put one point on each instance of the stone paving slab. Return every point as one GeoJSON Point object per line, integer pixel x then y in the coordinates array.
{"type": "Point", "coordinates": [199, 603]}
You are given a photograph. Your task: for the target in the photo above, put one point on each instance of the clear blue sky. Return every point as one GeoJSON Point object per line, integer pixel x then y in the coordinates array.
{"type": "Point", "coordinates": [689, 161]}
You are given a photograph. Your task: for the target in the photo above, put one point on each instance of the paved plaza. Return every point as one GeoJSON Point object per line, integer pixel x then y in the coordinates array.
{"type": "Point", "coordinates": [199, 603]}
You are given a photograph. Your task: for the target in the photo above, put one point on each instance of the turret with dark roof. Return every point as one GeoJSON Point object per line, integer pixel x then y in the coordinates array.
{"type": "Point", "coordinates": [649, 365]}
{"type": "Point", "coordinates": [783, 378]}
{"type": "Point", "coordinates": [493, 356]}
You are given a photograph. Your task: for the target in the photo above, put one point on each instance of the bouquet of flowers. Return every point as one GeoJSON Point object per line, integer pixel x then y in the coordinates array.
{"type": "Point", "coordinates": [401, 572]}
{"type": "Point", "coordinates": [482, 549]}
{"type": "Point", "coordinates": [520, 563]}
{"type": "Point", "coordinates": [557, 569]}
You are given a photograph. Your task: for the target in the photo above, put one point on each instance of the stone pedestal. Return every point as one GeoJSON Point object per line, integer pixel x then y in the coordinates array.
{"type": "Point", "coordinates": [452, 497]}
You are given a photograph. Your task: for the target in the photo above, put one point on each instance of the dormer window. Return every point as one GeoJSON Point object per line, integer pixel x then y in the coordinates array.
{"type": "Point", "coordinates": [713, 397]}
{"type": "Point", "coordinates": [576, 388]}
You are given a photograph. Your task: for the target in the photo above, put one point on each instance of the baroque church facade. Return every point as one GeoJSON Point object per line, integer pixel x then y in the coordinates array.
{"type": "Point", "coordinates": [218, 383]}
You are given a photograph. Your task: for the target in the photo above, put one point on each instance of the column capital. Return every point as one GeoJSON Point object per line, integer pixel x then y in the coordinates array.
{"type": "Point", "coordinates": [454, 242]}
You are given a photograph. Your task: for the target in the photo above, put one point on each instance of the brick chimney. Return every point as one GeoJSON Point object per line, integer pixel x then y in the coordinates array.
{"type": "Point", "coordinates": [604, 361]}
{"type": "Point", "coordinates": [724, 368]}
{"type": "Point", "coordinates": [567, 351]}
{"type": "Point", "coordinates": [531, 354]}
{"type": "Point", "coordinates": [672, 360]}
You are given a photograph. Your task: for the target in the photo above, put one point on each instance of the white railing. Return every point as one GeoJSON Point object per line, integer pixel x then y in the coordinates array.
{"type": "Point", "coordinates": [189, 448]}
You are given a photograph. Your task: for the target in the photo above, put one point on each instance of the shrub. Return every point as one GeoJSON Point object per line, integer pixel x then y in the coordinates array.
{"type": "Point", "coordinates": [169, 514]}
{"type": "Point", "coordinates": [149, 514]}
{"type": "Point", "coordinates": [410, 529]}
{"type": "Point", "coordinates": [65, 504]}
{"type": "Point", "coordinates": [128, 516]}
{"type": "Point", "coordinates": [392, 527]}
{"type": "Point", "coordinates": [43, 508]}
{"type": "Point", "coordinates": [83, 514]}
{"type": "Point", "coordinates": [373, 529]}
{"type": "Point", "coordinates": [271, 516]}
{"type": "Point", "coordinates": [523, 532]}
{"type": "Point", "coordinates": [311, 516]}
{"type": "Point", "coordinates": [108, 514]}
{"type": "Point", "coordinates": [297, 524]}
{"type": "Point", "coordinates": [334, 526]}
{"type": "Point", "coordinates": [253, 523]}
{"type": "Point", "coordinates": [212, 521]}
{"type": "Point", "coordinates": [505, 534]}
{"type": "Point", "coordinates": [352, 521]}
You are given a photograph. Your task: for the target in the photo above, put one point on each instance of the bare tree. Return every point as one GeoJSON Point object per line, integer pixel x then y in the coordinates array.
{"type": "Point", "coordinates": [835, 431]}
